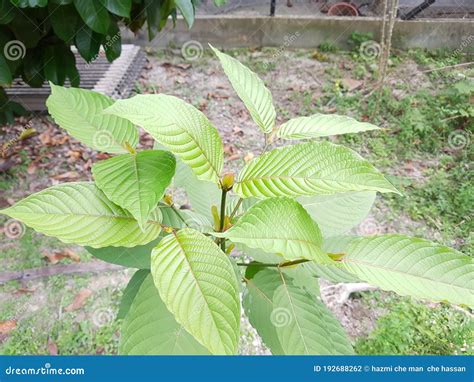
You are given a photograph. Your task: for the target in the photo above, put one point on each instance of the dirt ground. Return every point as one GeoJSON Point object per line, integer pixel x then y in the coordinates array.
{"type": "Point", "coordinates": [297, 81]}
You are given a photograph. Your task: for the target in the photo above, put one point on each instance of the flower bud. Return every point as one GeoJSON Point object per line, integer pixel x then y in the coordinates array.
{"type": "Point", "coordinates": [228, 181]}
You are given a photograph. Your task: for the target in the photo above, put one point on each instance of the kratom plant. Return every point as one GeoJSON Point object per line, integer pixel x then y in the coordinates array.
{"type": "Point", "coordinates": [267, 235]}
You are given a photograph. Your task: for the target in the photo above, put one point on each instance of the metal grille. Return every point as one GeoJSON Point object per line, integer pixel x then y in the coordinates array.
{"type": "Point", "coordinates": [115, 79]}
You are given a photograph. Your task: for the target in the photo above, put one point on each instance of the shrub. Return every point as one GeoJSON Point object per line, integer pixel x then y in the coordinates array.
{"type": "Point", "coordinates": [287, 211]}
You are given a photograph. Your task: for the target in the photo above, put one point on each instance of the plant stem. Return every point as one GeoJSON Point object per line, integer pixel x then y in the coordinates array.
{"type": "Point", "coordinates": [236, 208]}
{"type": "Point", "coordinates": [222, 217]}
{"type": "Point", "coordinates": [279, 265]}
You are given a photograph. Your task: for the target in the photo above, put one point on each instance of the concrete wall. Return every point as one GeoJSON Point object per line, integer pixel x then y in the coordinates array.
{"type": "Point", "coordinates": [310, 31]}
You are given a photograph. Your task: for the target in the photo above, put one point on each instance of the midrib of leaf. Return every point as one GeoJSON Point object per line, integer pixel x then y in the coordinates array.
{"type": "Point", "coordinates": [369, 265]}
{"type": "Point", "coordinates": [91, 122]}
{"type": "Point", "coordinates": [285, 239]}
{"type": "Point", "coordinates": [108, 217]}
{"type": "Point", "coordinates": [202, 152]}
{"type": "Point", "coordinates": [261, 292]}
{"type": "Point", "coordinates": [293, 310]}
{"type": "Point", "coordinates": [290, 177]}
{"type": "Point", "coordinates": [199, 286]}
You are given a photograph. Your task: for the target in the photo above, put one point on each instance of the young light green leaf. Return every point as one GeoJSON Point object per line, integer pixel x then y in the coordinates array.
{"type": "Point", "coordinates": [201, 194]}
{"type": "Point", "coordinates": [178, 126]}
{"type": "Point", "coordinates": [338, 213]}
{"type": "Point", "coordinates": [130, 292]}
{"type": "Point", "coordinates": [279, 225]}
{"type": "Point", "coordinates": [80, 213]}
{"type": "Point", "coordinates": [251, 90]}
{"type": "Point", "coordinates": [289, 319]}
{"type": "Point", "coordinates": [413, 267]}
{"type": "Point", "coordinates": [321, 125]}
{"type": "Point", "coordinates": [150, 329]}
{"type": "Point", "coordinates": [305, 326]}
{"type": "Point", "coordinates": [136, 182]}
{"type": "Point", "coordinates": [186, 8]}
{"type": "Point", "coordinates": [312, 168]}
{"type": "Point", "coordinates": [79, 111]}
{"type": "Point", "coordinates": [197, 283]}
{"type": "Point", "coordinates": [257, 301]}
{"type": "Point", "coordinates": [335, 273]}
{"type": "Point", "coordinates": [134, 257]}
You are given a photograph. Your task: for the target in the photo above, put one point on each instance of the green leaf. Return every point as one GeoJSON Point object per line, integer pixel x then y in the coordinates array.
{"type": "Point", "coordinates": [201, 194]}
{"type": "Point", "coordinates": [321, 125]}
{"type": "Point", "coordinates": [338, 213]}
{"type": "Point", "coordinates": [251, 90]}
{"type": "Point", "coordinates": [79, 112]}
{"type": "Point", "coordinates": [59, 63]}
{"type": "Point", "coordinates": [150, 329]}
{"type": "Point", "coordinates": [29, 3]}
{"type": "Point", "coordinates": [180, 127]}
{"type": "Point", "coordinates": [135, 257]}
{"type": "Point", "coordinates": [80, 213]}
{"type": "Point", "coordinates": [257, 301]}
{"type": "Point", "coordinates": [334, 272]}
{"type": "Point", "coordinates": [112, 43]}
{"type": "Point", "coordinates": [413, 267]}
{"type": "Point", "coordinates": [136, 182]}
{"type": "Point", "coordinates": [312, 168]}
{"type": "Point", "coordinates": [88, 43]}
{"type": "Point", "coordinates": [279, 225]}
{"type": "Point", "coordinates": [305, 326]}
{"type": "Point", "coordinates": [64, 20]}
{"type": "Point", "coordinates": [187, 10]}
{"type": "Point", "coordinates": [5, 74]}
{"type": "Point", "coordinates": [197, 283]}
{"type": "Point", "coordinates": [289, 319]}
{"type": "Point", "coordinates": [131, 291]}
{"type": "Point", "coordinates": [193, 219]}
{"type": "Point", "coordinates": [119, 7]}
{"type": "Point", "coordinates": [33, 67]}
{"type": "Point", "coordinates": [7, 12]}
{"type": "Point", "coordinates": [94, 14]}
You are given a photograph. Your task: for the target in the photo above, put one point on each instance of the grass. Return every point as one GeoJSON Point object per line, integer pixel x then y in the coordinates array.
{"type": "Point", "coordinates": [411, 328]}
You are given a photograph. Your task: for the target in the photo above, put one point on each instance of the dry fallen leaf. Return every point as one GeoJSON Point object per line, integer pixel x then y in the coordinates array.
{"type": "Point", "coordinates": [67, 175]}
{"type": "Point", "coordinates": [79, 300]}
{"type": "Point", "coordinates": [52, 347]}
{"type": "Point", "coordinates": [56, 256]}
{"type": "Point", "coordinates": [7, 326]}
{"type": "Point", "coordinates": [248, 157]}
